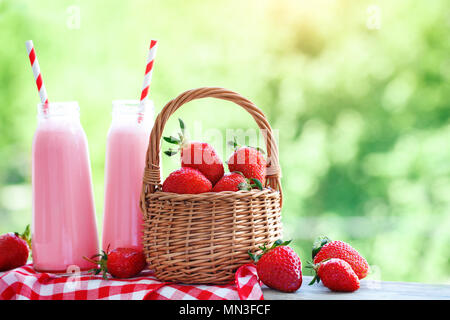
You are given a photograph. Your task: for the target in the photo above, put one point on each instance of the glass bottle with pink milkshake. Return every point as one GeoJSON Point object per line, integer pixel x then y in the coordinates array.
{"type": "Point", "coordinates": [64, 226]}
{"type": "Point", "coordinates": [126, 148]}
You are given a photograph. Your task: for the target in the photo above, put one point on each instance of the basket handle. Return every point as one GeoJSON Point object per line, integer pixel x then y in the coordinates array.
{"type": "Point", "coordinates": [152, 174]}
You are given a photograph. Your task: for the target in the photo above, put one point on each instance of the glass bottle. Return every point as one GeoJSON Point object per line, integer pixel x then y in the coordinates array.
{"type": "Point", "coordinates": [63, 227]}
{"type": "Point", "coordinates": [126, 149]}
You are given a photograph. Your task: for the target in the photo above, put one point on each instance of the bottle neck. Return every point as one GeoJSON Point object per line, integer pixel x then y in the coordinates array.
{"type": "Point", "coordinates": [59, 111]}
{"type": "Point", "coordinates": [130, 112]}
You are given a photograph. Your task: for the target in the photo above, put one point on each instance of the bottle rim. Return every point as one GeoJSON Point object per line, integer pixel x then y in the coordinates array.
{"type": "Point", "coordinates": [131, 107]}
{"type": "Point", "coordinates": [63, 108]}
{"type": "Point", "coordinates": [132, 103]}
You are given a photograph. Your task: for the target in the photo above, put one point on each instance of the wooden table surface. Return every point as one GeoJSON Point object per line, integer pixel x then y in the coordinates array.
{"type": "Point", "coordinates": [370, 290]}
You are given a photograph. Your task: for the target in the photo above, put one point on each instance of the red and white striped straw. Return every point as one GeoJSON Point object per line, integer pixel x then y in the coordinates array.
{"type": "Point", "coordinates": [37, 74]}
{"type": "Point", "coordinates": [147, 77]}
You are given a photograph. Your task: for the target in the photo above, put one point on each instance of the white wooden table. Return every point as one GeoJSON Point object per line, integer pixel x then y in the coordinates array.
{"type": "Point", "coordinates": [370, 290]}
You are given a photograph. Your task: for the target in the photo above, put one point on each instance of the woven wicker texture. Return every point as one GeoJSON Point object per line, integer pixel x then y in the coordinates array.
{"type": "Point", "coordinates": [204, 238]}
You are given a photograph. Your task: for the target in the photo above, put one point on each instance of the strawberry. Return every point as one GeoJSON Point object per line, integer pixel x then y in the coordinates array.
{"type": "Point", "coordinates": [197, 155]}
{"type": "Point", "coordinates": [250, 161]}
{"type": "Point", "coordinates": [336, 275]}
{"type": "Point", "coordinates": [186, 180]}
{"type": "Point", "coordinates": [324, 248]}
{"type": "Point", "coordinates": [120, 262]}
{"type": "Point", "coordinates": [279, 267]}
{"type": "Point", "coordinates": [14, 249]}
{"type": "Point", "coordinates": [235, 181]}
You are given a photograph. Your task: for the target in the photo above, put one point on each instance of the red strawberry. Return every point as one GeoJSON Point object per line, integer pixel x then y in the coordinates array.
{"type": "Point", "coordinates": [186, 181]}
{"type": "Point", "coordinates": [328, 249]}
{"type": "Point", "coordinates": [250, 161]}
{"type": "Point", "coordinates": [14, 249]}
{"type": "Point", "coordinates": [197, 155]}
{"type": "Point", "coordinates": [279, 267]}
{"type": "Point", "coordinates": [337, 275]}
{"type": "Point", "coordinates": [120, 263]}
{"type": "Point", "coordinates": [229, 182]}
{"type": "Point", "coordinates": [203, 157]}
{"type": "Point", "coordinates": [235, 181]}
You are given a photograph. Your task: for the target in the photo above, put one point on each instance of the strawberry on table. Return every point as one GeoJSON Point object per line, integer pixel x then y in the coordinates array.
{"type": "Point", "coordinates": [324, 248]}
{"type": "Point", "coordinates": [14, 249]}
{"type": "Point", "coordinates": [336, 275]}
{"type": "Point", "coordinates": [248, 160]}
{"type": "Point", "coordinates": [279, 267]}
{"type": "Point", "coordinates": [186, 180]}
{"type": "Point", "coordinates": [235, 181]}
{"type": "Point", "coordinates": [197, 155]}
{"type": "Point", "coordinates": [120, 263]}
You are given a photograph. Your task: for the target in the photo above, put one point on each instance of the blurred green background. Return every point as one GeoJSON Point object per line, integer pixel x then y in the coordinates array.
{"type": "Point", "coordinates": [359, 91]}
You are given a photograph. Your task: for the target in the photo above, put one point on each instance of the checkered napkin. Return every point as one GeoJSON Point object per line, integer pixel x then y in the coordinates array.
{"type": "Point", "coordinates": [25, 283]}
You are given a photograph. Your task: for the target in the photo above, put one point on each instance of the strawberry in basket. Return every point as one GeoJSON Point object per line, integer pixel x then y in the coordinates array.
{"type": "Point", "coordinates": [197, 155]}
{"type": "Point", "coordinates": [248, 160]}
{"type": "Point", "coordinates": [214, 262]}
{"type": "Point", "coordinates": [235, 181]}
{"type": "Point", "coordinates": [186, 181]}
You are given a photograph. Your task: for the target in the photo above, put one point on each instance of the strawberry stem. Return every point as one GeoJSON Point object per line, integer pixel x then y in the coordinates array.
{"type": "Point", "coordinates": [315, 267]}
{"type": "Point", "coordinates": [314, 280]}
{"type": "Point", "coordinates": [25, 235]}
{"type": "Point", "coordinates": [318, 244]}
{"type": "Point", "coordinates": [181, 141]}
{"type": "Point", "coordinates": [101, 263]}
{"type": "Point", "coordinates": [235, 145]}
{"type": "Point", "coordinates": [247, 185]}
{"type": "Point", "coordinates": [254, 257]}
{"type": "Point", "coordinates": [264, 249]}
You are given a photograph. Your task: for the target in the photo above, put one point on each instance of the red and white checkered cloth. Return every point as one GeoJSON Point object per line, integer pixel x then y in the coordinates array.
{"type": "Point", "coordinates": [25, 283]}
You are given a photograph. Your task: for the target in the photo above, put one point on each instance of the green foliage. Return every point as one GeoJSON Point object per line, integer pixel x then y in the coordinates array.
{"type": "Point", "coordinates": [363, 115]}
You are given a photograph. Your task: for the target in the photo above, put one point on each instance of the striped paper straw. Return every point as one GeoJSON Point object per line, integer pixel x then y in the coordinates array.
{"type": "Point", "coordinates": [37, 74]}
{"type": "Point", "coordinates": [147, 77]}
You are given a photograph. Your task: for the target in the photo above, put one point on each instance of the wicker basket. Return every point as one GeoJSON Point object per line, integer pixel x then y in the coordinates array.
{"type": "Point", "coordinates": [203, 238]}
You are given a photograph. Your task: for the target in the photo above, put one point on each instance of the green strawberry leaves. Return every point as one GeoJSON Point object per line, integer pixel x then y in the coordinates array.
{"type": "Point", "coordinates": [182, 126]}
{"type": "Point", "coordinates": [316, 278]}
{"type": "Point", "coordinates": [170, 152]}
{"type": "Point", "coordinates": [254, 257]}
{"type": "Point", "coordinates": [257, 184]}
{"type": "Point", "coordinates": [280, 242]}
{"type": "Point", "coordinates": [101, 263]}
{"type": "Point", "coordinates": [26, 235]}
{"type": "Point", "coordinates": [235, 145]}
{"type": "Point", "coordinates": [172, 140]}
{"type": "Point", "coordinates": [180, 141]}
{"type": "Point", "coordinates": [264, 249]}
{"type": "Point", "coordinates": [260, 150]}
{"type": "Point", "coordinates": [244, 186]}
{"type": "Point", "coordinates": [318, 244]}
{"type": "Point", "coordinates": [249, 186]}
